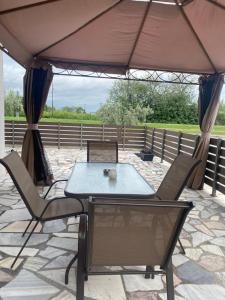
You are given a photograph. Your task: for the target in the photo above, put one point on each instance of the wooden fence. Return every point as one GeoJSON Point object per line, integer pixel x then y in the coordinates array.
{"type": "Point", "coordinates": [215, 168]}
{"type": "Point", "coordinates": [76, 135]}
{"type": "Point", "coordinates": [168, 144]}
{"type": "Point", "coordinates": [165, 144]}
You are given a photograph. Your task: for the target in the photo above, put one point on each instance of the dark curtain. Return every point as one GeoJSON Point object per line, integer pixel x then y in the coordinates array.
{"type": "Point", "coordinates": [37, 82]}
{"type": "Point", "coordinates": [209, 99]}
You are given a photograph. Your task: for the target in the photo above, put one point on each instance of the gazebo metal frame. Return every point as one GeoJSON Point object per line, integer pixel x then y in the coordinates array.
{"type": "Point", "coordinates": [133, 75]}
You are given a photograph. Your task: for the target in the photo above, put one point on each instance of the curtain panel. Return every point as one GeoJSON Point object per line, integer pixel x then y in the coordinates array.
{"type": "Point", "coordinates": [37, 82]}
{"type": "Point", "coordinates": [210, 88]}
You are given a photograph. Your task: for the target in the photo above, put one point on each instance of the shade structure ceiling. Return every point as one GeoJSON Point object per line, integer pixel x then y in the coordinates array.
{"type": "Point", "coordinates": [117, 35]}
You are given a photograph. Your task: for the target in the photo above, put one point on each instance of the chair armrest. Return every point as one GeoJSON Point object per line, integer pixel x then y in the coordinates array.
{"type": "Point", "coordinates": [82, 227]}
{"type": "Point", "coordinates": [59, 198]}
{"type": "Point", "coordinates": [49, 189]}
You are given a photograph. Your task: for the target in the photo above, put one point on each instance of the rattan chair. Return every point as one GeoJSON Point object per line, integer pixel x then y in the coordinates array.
{"type": "Point", "coordinates": [102, 151]}
{"type": "Point", "coordinates": [41, 210]}
{"type": "Point", "coordinates": [129, 233]}
{"type": "Point", "coordinates": [175, 180]}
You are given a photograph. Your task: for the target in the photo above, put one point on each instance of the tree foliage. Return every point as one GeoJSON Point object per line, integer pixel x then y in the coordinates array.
{"type": "Point", "coordinates": [126, 104]}
{"type": "Point", "coordinates": [74, 109]}
{"type": "Point", "coordinates": [174, 103]}
{"type": "Point", "coordinates": [130, 103]}
{"type": "Point", "coordinates": [13, 103]}
{"type": "Point", "coordinates": [60, 114]}
{"type": "Point", "coordinates": [220, 120]}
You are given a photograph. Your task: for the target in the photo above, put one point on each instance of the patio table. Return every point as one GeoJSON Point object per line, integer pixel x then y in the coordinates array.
{"type": "Point", "coordinates": [88, 179]}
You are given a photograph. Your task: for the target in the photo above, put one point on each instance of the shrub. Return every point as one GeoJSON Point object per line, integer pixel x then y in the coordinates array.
{"type": "Point", "coordinates": [68, 115]}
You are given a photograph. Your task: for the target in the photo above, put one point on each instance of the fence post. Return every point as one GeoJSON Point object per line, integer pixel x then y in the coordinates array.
{"type": "Point", "coordinates": [81, 136]}
{"type": "Point", "coordinates": [218, 149]}
{"type": "Point", "coordinates": [124, 135]}
{"type": "Point", "coordinates": [103, 132]}
{"type": "Point", "coordinates": [59, 127]}
{"type": "Point", "coordinates": [13, 134]}
{"type": "Point", "coordinates": [163, 144]}
{"type": "Point", "coordinates": [145, 138]}
{"type": "Point", "coordinates": [179, 142]}
{"type": "Point", "coordinates": [153, 136]}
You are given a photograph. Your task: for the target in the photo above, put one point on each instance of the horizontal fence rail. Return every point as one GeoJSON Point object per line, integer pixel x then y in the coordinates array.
{"type": "Point", "coordinates": [76, 135]}
{"type": "Point", "coordinates": [165, 144]}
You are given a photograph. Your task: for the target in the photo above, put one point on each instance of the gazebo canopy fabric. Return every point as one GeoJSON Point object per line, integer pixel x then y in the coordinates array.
{"type": "Point", "coordinates": [172, 35]}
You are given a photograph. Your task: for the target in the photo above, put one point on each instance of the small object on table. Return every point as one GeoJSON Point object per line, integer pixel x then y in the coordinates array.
{"type": "Point", "coordinates": [106, 172]}
{"type": "Point", "coordinates": [112, 174]}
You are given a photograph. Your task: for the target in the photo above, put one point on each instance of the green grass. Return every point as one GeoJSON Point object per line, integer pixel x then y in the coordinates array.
{"type": "Point", "coordinates": [57, 120]}
{"type": "Point", "coordinates": [217, 130]}
{"type": "Point", "coordinates": [194, 129]}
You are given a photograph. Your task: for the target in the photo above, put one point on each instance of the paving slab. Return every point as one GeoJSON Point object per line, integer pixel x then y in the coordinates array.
{"type": "Point", "coordinates": [51, 252]}
{"type": "Point", "coordinates": [13, 215]}
{"type": "Point", "coordinates": [27, 286]}
{"type": "Point", "coordinates": [201, 292]}
{"type": "Point", "coordinates": [194, 273]}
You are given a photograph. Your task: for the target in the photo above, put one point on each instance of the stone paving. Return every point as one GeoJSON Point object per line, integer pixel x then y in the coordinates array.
{"type": "Point", "coordinates": [39, 273]}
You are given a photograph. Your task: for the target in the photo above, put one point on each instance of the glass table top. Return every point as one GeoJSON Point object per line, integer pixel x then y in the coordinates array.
{"type": "Point", "coordinates": [88, 179]}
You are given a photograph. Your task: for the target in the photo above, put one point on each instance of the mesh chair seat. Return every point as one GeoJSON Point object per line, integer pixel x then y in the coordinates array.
{"type": "Point", "coordinates": [176, 177]}
{"type": "Point", "coordinates": [175, 180]}
{"type": "Point", "coordinates": [134, 233]}
{"type": "Point", "coordinates": [64, 207]}
{"type": "Point", "coordinates": [102, 151]}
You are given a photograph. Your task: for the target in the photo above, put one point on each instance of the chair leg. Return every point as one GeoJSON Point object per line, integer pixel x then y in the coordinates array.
{"type": "Point", "coordinates": [169, 282]}
{"type": "Point", "coordinates": [21, 249]}
{"type": "Point", "coordinates": [181, 246]}
{"type": "Point", "coordinates": [80, 278]}
{"type": "Point", "coordinates": [69, 267]}
{"type": "Point", "coordinates": [86, 276]}
{"type": "Point", "coordinates": [81, 262]}
{"type": "Point", "coordinates": [27, 227]}
{"type": "Point", "coordinates": [147, 274]}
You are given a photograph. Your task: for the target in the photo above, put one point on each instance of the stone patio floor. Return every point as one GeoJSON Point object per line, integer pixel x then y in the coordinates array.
{"type": "Point", "coordinates": [39, 273]}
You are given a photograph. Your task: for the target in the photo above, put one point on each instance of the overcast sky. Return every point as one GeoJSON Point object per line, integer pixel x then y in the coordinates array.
{"type": "Point", "coordinates": [67, 90]}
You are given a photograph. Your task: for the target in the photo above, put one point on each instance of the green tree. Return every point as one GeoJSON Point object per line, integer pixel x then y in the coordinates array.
{"type": "Point", "coordinates": [126, 104]}
{"type": "Point", "coordinates": [130, 103]}
{"type": "Point", "coordinates": [13, 103]}
{"type": "Point", "coordinates": [74, 109]}
{"type": "Point", "coordinates": [175, 103]}
{"type": "Point", "coordinates": [220, 120]}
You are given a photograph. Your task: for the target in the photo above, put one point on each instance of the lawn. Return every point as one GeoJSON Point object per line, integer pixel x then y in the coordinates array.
{"type": "Point", "coordinates": [218, 129]}
{"type": "Point", "coordinates": [57, 120]}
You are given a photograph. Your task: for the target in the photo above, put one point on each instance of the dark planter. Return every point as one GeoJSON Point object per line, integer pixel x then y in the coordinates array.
{"type": "Point", "coordinates": [146, 155]}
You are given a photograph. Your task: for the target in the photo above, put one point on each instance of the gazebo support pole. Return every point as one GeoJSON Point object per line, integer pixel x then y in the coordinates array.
{"type": "Point", "coordinates": [2, 125]}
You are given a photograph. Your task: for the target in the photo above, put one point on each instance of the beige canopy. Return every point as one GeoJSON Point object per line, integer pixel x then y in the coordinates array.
{"type": "Point", "coordinates": [172, 35]}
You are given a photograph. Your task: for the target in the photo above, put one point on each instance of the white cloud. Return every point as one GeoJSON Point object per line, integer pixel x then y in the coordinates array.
{"type": "Point", "coordinates": [67, 91]}
{"type": "Point", "coordinates": [87, 92]}
{"type": "Point", "coordinates": [13, 74]}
